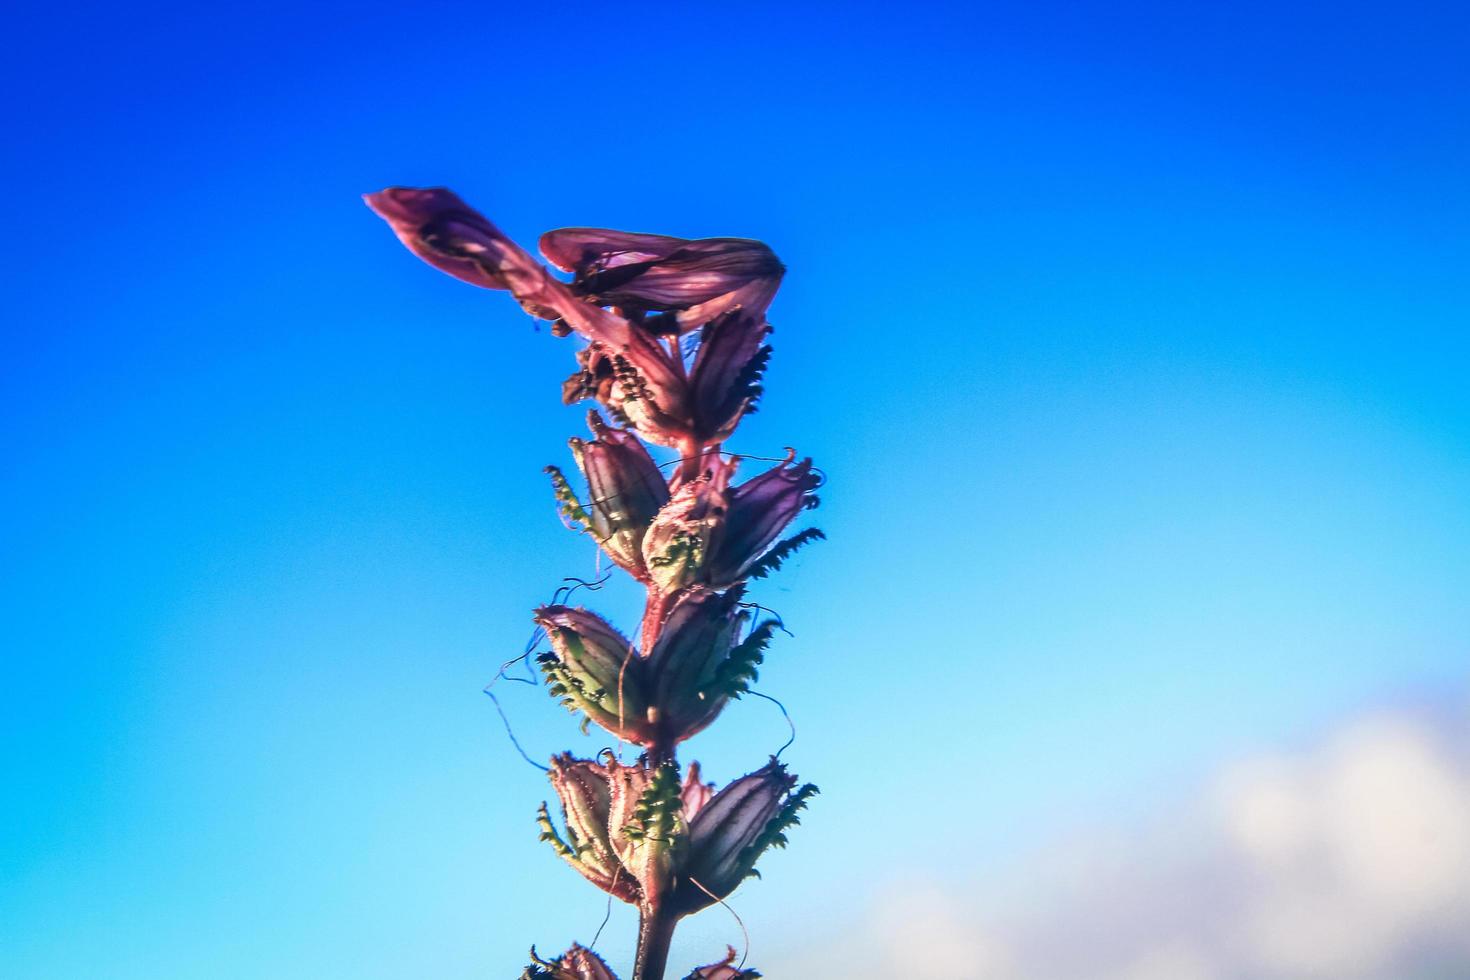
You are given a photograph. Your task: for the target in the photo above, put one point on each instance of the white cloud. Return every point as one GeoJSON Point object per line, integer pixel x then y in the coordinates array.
{"type": "Point", "coordinates": [1178, 961]}
{"type": "Point", "coordinates": [1362, 851]}
{"type": "Point", "coordinates": [1350, 861]}
{"type": "Point", "coordinates": [915, 930]}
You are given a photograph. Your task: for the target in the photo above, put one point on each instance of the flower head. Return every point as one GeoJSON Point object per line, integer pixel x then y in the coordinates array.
{"type": "Point", "coordinates": [625, 830]}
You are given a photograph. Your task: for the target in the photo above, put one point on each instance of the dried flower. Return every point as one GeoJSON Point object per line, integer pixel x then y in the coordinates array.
{"type": "Point", "coordinates": [445, 232]}
{"type": "Point", "coordinates": [580, 963]}
{"type": "Point", "coordinates": [725, 380]}
{"type": "Point", "coordinates": [696, 666]}
{"type": "Point", "coordinates": [699, 662]}
{"type": "Point", "coordinates": [679, 543]}
{"type": "Point", "coordinates": [638, 384]}
{"type": "Point", "coordinates": [639, 834]}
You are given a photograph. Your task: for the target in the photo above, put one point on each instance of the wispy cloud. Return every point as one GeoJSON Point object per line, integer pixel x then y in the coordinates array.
{"type": "Point", "coordinates": [1347, 860]}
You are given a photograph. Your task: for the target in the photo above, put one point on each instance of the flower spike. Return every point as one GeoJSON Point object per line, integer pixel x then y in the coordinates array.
{"type": "Point", "coordinates": [674, 345]}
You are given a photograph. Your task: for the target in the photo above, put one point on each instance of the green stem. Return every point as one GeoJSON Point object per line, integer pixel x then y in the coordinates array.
{"type": "Point", "coordinates": [655, 932]}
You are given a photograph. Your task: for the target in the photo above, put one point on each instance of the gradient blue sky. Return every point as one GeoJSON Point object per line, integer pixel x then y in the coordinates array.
{"type": "Point", "coordinates": [1132, 339]}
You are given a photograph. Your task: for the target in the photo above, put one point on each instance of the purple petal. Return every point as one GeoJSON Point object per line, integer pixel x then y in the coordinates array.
{"type": "Point", "coordinates": [576, 249]}
{"type": "Point", "coordinates": [726, 371]}
{"type": "Point", "coordinates": [759, 509]}
{"type": "Point", "coordinates": [448, 234]}
{"type": "Point", "coordinates": [438, 227]}
{"type": "Point", "coordinates": [697, 280]}
{"type": "Point", "coordinates": [442, 230]}
{"type": "Point", "coordinates": [696, 638]}
{"type": "Point", "coordinates": [695, 793]}
{"type": "Point", "coordinates": [725, 829]}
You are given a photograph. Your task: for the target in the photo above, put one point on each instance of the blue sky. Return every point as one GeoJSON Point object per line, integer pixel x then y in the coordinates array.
{"type": "Point", "coordinates": [1132, 340]}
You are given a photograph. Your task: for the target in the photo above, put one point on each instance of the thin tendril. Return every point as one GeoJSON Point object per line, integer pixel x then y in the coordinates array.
{"type": "Point", "coordinates": [821, 473]}
{"type": "Point", "coordinates": [561, 595]}
{"type": "Point", "coordinates": [743, 931]}
{"type": "Point", "coordinates": [607, 915]}
{"type": "Point", "coordinates": [513, 740]}
{"type": "Point", "coordinates": [780, 623]}
{"type": "Point", "coordinates": [784, 714]}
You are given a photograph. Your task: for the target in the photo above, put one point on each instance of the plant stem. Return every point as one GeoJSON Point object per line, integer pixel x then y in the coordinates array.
{"type": "Point", "coordinates": [655, 932]}
{"type": "Point", "coordinates": [691, 460]}
{"type": "Point", "coordinates": [655, 608]}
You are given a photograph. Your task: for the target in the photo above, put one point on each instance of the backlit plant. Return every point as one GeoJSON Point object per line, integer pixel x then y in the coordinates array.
{"type": "Point", "coordinates": [675, 345]}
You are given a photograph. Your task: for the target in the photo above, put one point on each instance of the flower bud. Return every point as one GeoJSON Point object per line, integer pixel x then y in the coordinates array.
{"type": "Point", "coordinates": [758, 511]}
{"type": "Point", "coordinates": [724, 382]}
{"type": "Point", "coordinates": [625, 492]}
{"type": "Point", "coordinates": [723, 970]}
{"type": "Point", "coordinates": [708, 534]}
{"type": "Point", "coordinates": [692, 281]}
{"type": "Point", "coordinates": [695, 792]}
{"type": "Point", "coordinates": [585, 790]}
{"type": "Point", "coordinates": [689, 668]}
{"type": "Point", "coordinates": [595, 670]}
{"type": "Point", "coordinates": [577, 963]}
{"type": "Point", "coordinates": [733, 829]}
